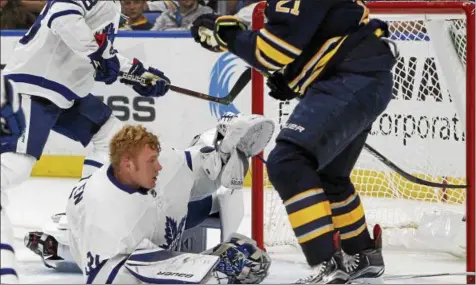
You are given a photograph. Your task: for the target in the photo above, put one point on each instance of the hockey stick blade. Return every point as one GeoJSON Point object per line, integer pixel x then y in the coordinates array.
{"type": "Point", "coordinates": [413, 276]}
{"type": "Point", "coordinates": [240, 84]}
{"type": "Point", "coordinates": [407, 175]}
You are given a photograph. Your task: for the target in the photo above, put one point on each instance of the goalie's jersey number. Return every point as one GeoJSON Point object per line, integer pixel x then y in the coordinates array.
{"type": "Point", "coordinates": [138, 109]}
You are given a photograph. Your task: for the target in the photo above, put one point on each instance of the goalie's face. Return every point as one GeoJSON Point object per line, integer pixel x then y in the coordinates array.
{"type": "Point", "coordinates": [146, 167]}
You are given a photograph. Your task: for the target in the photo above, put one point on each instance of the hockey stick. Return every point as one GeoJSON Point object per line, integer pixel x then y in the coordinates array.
{"type": "Point", "coordinates": [392, 165]}
{"type": "Point", "coordinates": [240, 84]}
{"type": "Point", "coordinates": [410, 276]}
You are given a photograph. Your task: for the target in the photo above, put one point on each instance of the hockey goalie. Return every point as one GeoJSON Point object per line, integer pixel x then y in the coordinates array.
{"type": "Point", "coordinates": [123, 224]}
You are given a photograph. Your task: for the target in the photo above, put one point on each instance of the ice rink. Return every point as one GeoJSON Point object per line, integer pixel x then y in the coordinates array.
{"type": "Point", "coordinates": [31, 204]}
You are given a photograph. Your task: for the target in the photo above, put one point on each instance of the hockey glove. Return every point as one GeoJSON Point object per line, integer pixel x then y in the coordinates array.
{"type": "Point", "coordinates": [155, 83]}
{"type": "Point", "coordinates": [105, 61]}
{"type": "Point", "coordinates": [279, 88]}
{"type": "Point", "coordinates": [214, 32]}
{"type": "Point", "coordinates": [12, 117]}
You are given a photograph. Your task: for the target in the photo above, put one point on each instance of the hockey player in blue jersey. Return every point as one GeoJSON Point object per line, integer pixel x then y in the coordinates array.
{"type": "Point", "coordinates": [55, 66]}
{"type": "Point", "coordinates": [338, 62]}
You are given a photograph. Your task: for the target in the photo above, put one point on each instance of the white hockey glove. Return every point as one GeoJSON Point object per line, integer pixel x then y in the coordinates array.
{"type": "Point", "coordinates": [248, 133]}
{"type": "Point", "coordinates": [241, 261]}
{"type": "Point", "coordinates": [234, 171]}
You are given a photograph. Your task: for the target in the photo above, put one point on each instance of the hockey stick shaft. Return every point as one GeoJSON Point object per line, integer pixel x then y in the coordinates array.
{"type": "Point", "coordinates": [392, 165]}
{"type": "Point", "coordinates": [240, 84]}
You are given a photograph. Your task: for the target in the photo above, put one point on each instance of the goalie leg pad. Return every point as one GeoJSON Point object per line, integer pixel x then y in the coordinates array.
{"type": "Point", "coordinates": [231, 209]}
{"type": "Point", "coordinates": [159, 266]}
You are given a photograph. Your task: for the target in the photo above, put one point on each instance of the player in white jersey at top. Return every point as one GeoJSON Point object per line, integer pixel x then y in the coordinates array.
{"type": "Point", "coordinates": [114, 212]}
{"type": "Point", "coordinates": [54, 67]}
{"type": "Point", "coordinates": [12, 125]}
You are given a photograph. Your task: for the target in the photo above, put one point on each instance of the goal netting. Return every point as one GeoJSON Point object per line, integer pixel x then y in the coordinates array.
{"type": "Point", "coordinates": [423, 132]}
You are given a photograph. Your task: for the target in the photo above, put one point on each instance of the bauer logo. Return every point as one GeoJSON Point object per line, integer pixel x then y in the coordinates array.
{"type": "Point", "coordinates": [220, 83]}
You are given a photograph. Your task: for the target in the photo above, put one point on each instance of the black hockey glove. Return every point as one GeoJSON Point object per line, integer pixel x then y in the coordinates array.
{"type": "Point", "coordinates": [279, 88]}
{"type": "Point", "coordinates": [214, 32]}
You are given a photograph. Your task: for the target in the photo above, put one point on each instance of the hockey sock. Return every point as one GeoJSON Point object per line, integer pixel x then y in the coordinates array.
{"type": "Point", "coordinates": [311, 219]}
{"type": "Point", "coordinates": [348, 218]}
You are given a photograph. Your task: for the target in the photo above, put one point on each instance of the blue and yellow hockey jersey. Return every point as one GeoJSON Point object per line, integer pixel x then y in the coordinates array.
{"type": "Point", "coordinates": [303, 37]}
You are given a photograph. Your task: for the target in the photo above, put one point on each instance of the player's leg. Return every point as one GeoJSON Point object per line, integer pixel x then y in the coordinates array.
{"type": "Point", "coordinates": [20, 155]}
{"type": "Point", "coordinates": [331, 115]}
{"type": "Point", "coordinates": [8, 273]}
{"type": "Point", "coordinates": [89, 120]}
{"type": "Point", "coordinates": [348, 213]}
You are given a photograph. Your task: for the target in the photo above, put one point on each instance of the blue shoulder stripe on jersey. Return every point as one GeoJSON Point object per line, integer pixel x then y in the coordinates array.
{"type": "Point", "coordinates": [92, 163]}
{"type": "Point", "coordinates": [189, 159]}
{"type": "Point", "coordinates": [114, 271]}
{"type": "Point", "coordinates": [8, 271]}
{"type": "Point", "coordinates": [45, 83]}
{"type": "Point", "coordinates": [198, 212]}
{"type": "Point", "coordinates": [154, 256]}
{"type": "Point", "coordinates": [4, 246]}
{"type": "Point", "coordinates": [62, 13]}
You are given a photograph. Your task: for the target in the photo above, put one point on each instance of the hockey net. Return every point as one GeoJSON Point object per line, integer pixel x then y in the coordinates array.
{"type": "Point", "coordinates": [427, 131]}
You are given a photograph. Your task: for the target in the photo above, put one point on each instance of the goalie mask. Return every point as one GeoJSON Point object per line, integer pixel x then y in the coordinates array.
{"type": "Point", "coordinates": [241, 261]}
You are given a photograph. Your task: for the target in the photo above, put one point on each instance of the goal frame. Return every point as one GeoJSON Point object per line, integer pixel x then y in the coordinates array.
{"type": "Point", "coordinates": [444, 7]}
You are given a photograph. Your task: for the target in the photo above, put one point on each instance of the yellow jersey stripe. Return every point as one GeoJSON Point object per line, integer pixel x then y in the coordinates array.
{"type": "Point", "coordinates": [264, 62]}
{"type": "Point", "coordinates": [279, 42]}
{"type": "Point", "coordinates": [314, 60]}
{"type": "Point", "coordinates": [272, 53]}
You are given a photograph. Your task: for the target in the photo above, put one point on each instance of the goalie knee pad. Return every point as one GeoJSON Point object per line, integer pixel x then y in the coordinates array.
{"type": "Point", "coordinates": [241, 261]}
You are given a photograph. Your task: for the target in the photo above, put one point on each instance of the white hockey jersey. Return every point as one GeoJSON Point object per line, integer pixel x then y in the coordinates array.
{"type": "Point", "coordinates": [51, 60]}
{"type": "Point", "coordinates": [108, 220]}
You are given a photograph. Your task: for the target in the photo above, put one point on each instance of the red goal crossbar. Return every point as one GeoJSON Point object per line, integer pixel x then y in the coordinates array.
{"type": "Point", "coordinates": [433, 7]}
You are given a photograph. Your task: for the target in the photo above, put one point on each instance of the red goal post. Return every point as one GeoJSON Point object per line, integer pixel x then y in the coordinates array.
{"type": "Point", "coordinates": [393, 8]}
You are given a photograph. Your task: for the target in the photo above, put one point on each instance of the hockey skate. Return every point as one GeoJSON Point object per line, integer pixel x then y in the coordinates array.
{"type": "Point", "coordinates": [253, 132]}
{"type": "Point", "coordinates": [43, 245]}
{"type": "Point", "coordinates": [331, 271]}
{"type": "Point", "coordinates": [368, 265]}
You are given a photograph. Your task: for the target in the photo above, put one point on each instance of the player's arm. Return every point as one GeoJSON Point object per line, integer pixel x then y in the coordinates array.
{"type": "Point", "coordinates": [274, 46]}
{"type": "Point", "coordinates": [157, 83]}
{"type": "Point", "coordinates": [66, 19]}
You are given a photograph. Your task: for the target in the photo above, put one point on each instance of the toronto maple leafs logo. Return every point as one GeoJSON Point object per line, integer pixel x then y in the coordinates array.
{"type": "Point", "coordinates": [173, 233]}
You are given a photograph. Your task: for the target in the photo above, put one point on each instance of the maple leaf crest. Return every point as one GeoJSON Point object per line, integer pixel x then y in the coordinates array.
{"type": "Point", "coordinates": [173, 233]}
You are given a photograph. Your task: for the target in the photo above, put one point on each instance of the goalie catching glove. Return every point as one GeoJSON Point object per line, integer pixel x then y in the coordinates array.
{"type": "Point", "coordinates": [216, 33]}
{"type": "Point", "coordinates": [152, 82]}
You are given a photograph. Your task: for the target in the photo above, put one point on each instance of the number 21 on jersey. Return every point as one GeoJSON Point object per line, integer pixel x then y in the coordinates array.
{"type": "Point", "coordinates": [288, 6]}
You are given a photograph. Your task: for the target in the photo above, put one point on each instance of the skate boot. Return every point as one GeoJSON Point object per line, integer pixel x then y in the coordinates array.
{"type": "Point", "coordinates": [368, 265]}
{"type": "Point", "coordinates": [42, 244]}
{"type": "Point", "coordinates": [253, 133]}
{"type": "Point", "coordinates": [331, 271]}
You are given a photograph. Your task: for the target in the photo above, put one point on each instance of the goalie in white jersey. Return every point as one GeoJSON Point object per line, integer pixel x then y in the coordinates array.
{"type": "Point", "coordinates": [113, 213]}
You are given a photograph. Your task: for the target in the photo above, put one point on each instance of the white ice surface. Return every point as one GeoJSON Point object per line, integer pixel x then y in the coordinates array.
{"type": "Point", "coordinates": [32, 203]}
